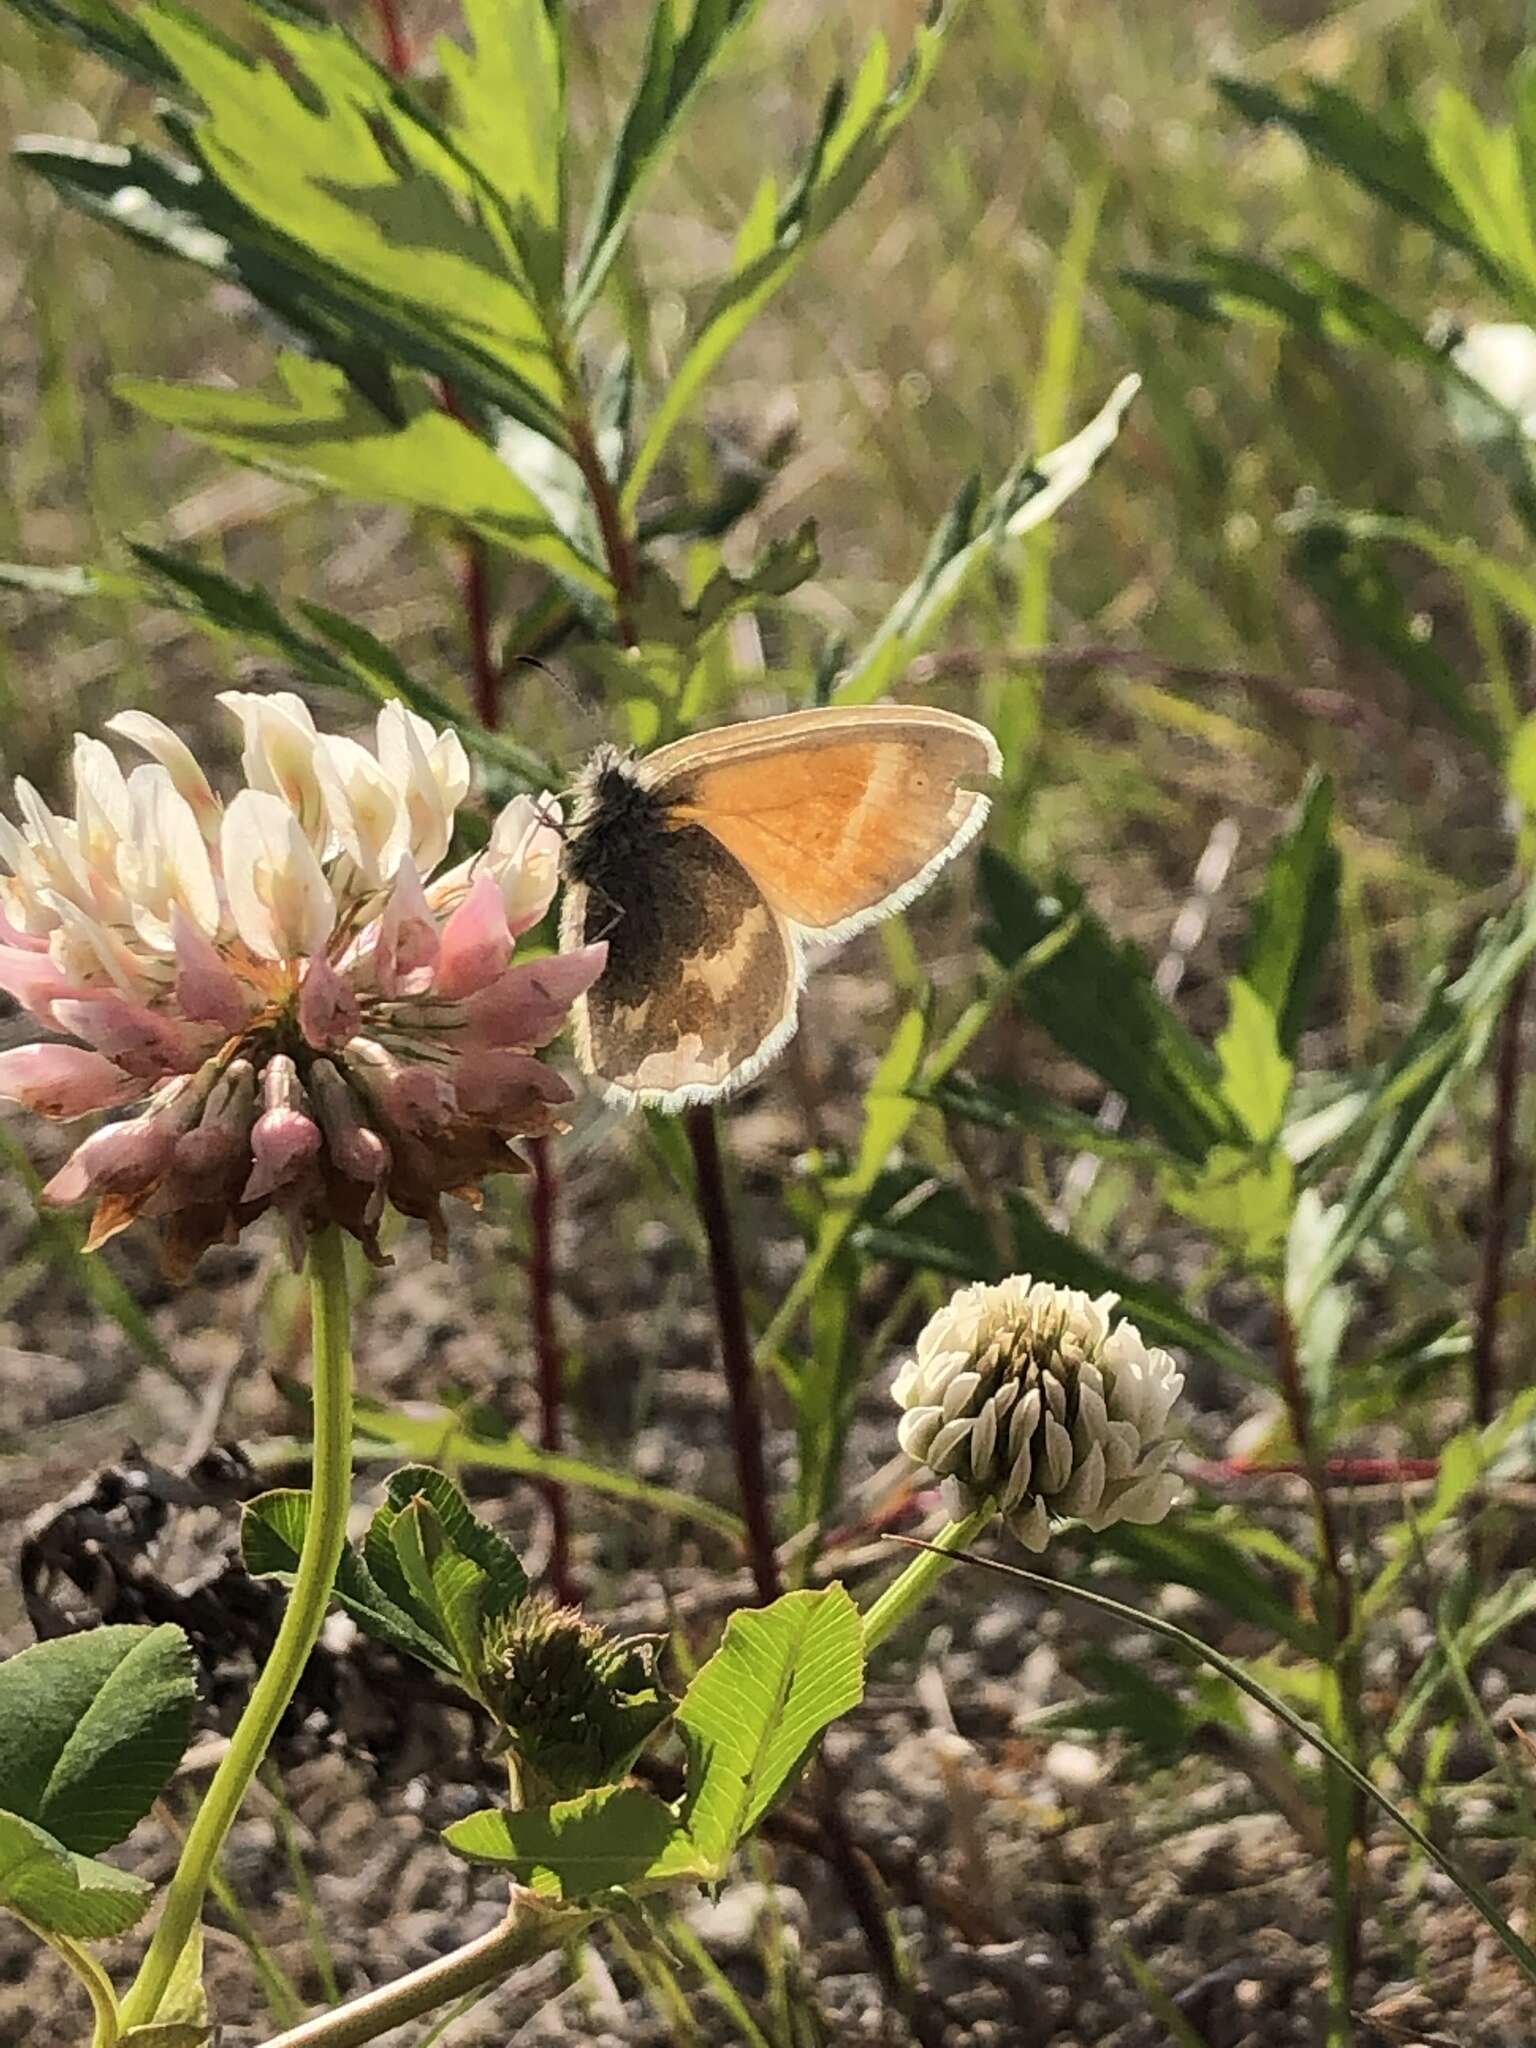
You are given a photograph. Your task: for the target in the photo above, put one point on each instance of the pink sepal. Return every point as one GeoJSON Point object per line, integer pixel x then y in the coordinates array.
{"type": "Point", "coordinates": [527, 1005]}
{"type": "Point", "coordinates": [64, 1081]}
{"type": "Point", "coordinates": [138, 1039]}
{"type": "Point", "coordinates": [328, 1010]}
{"type": "Point", "coordinates": [206, 990]}
{"type": "Point", "coordinates": [476, 942]}
{"type": "Point", "coordinates": [283, 1142]}
{"type": "Point", "coordinates": [405, 952]}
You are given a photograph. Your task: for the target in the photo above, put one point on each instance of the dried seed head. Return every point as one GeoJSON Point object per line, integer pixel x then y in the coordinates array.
{"type": "Point", "coordinates": [1024, 1395]}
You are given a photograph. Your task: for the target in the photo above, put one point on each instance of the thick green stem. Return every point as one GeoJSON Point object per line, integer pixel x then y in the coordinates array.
{"type": "Point", "coordinates": [529, 1930]}
{"type": "Point", "coordinates": [323, 1538]}
{"type": "Point", "coordinates": [920, 1577]}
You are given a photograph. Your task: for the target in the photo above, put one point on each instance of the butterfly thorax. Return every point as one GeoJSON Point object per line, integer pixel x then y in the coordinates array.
{"type": "Point", "coordinates": [617, 818]}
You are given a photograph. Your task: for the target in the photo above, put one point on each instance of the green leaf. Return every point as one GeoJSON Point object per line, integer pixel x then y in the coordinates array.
{"type": "Point", "coordinates": [1255, 1073]}
{"type": "Point", "coordinates": [1406, 1102]}
{"type": "Point", "coordinates": [1482, 167]}
{"type": "Point", "coordinates": [462, 1529]}
{"type": "Point", "coordinates": [1241, 1197]}
{"type": "Point", "coordinates": [1386, 156]}
{"type": "Point", "coordinates": [1358, 588]}
{"type": "Point", "coordinates": [780, 1677]}
{"type": "Point", "coordinates": [484, 1441]}
{"type": "Point", "coordinates": [1097, 1000]}
{"type": "Point", "coordinates": [509, 123]}
{"type": "Point", "coordinates": [61, 1892]}
{"type": "Point", "coordinates": [856, 129]}
{"type": "Point", "coordinates": [1293, 921]}
{"type": "Point", "coordinates": [970, 536]}
{"type": "Point", "coordinates": [1002, 1105]}
{"type": "Point", "coordinates": [1213, 1555]}
{"type": "Point", "coordinates": [1158, 1312]}
{"type": "Point", "coordinates": [107, 31]}
{"type": "Point", "coordinates": [341, 165]}
{"type": "Point", "coordinates": [671, 72]}
{"type": "Point", "coordinates": [323, 433]}
{"type": "Point", "coordinates": [1464, 1465]}
{"type": "Point", "coordinates": [271, 1536]}
{"type": "Point", "coordinates": [930, 1227]}
{"type": "Point", "coordinates": [167, 2034]}
{"type": "Point", "coordinates": [1470, 1887]}
{"type": "Point", "coordinates": [91, 1727]}
{"type": "Point", "coordinates": [616, 1836]}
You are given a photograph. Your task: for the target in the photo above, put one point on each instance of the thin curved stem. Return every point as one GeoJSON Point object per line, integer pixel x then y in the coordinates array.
{"type": "Point", "coordinates": [903, 1595]}
{"type": "Point", "coordinates": [105, 2018]}
{"type": "Point", "coordinates": [324, 1534]}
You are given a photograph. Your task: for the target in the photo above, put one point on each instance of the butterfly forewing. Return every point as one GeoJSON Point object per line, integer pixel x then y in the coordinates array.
{"type": "Point", "coordinates": [837, 816]}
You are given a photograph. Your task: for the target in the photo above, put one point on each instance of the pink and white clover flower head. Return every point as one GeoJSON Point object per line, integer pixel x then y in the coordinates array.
{"type": "Point", "coordinates": [300, 1008]}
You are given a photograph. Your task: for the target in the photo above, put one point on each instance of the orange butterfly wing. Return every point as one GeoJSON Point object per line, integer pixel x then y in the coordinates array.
{"type": "Point", "coordinates": [838, 816]}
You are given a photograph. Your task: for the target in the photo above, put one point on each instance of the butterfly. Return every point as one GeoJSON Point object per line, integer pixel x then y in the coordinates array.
{"type": "Point", "coordinates": [708, 864]}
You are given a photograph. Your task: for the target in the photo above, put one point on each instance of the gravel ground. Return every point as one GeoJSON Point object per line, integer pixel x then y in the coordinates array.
{"type": "Point", "coordinates": [1029, 1870]}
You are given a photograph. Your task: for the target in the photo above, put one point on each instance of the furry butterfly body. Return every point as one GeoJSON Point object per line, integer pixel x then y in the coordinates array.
{"type": "Point", "coordinates": [707, 864]}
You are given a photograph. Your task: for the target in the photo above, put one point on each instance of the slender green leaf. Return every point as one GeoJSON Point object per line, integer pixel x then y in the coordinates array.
{"type": "Point", "coordinates": [858, 126]}
{"type": "Point", "coordinates": [1293, 921]}
{"type": "Point", "coordinates": [1209, 1553]}
{"type": "Point", "coordinates": [673, 68]}
{"type": "Point", "coordinates": [323, 433]}
{"type": "Point", "coordinates": [969, 537]}
{"type": "Point", "coordinates": [1015, 1106]}
{"type": "Point", "coordinates": [1096, 999]}
{"type": "Point", "coordinates": [1404, 1106]}
{"type": "Point", "coordinates": [1471, 1888]}
{"type": "Point", "coordinates": [106, 31]}
{"type": "Point", "coordinates": [495, 1448]}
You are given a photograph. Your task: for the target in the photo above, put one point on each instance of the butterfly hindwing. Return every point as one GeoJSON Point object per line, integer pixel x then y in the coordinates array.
{"type": "Point", "coordinates": [702, 976]}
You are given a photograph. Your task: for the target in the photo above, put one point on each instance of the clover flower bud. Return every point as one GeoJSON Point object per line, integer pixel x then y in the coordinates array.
{"type": "Point", "coordinates": [576, 1704]}
{"type": "Point", "coordinates": [1025, 1395]}
{"type": "Point", "coordinates": [295, 1014]}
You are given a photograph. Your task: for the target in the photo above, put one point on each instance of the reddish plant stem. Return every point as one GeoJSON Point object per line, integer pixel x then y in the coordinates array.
{"type": "Point", "coordinates": [735, 1349]}
{"type": "Point", "coordinates": [551, 1360]}
{"type": "Point", "coordinates": [474, 587]}
{"type": "Point", "coordinates": [617, 546]}
{"type": "Point", "coordinates": [1335, 1471]}
{"type": "Point", "coordinates": [398, 54]}
{"type": "Point", "coordinates": [1501, 1180]}
{"type": "Point", "coordinates": [1336, 1602]}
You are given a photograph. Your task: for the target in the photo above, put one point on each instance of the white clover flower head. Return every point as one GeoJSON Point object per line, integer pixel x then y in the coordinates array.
{"type": "Point", "coordinates": [1025, 1395]}
{"type": "Point", "coordinates": [300, 1014]}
